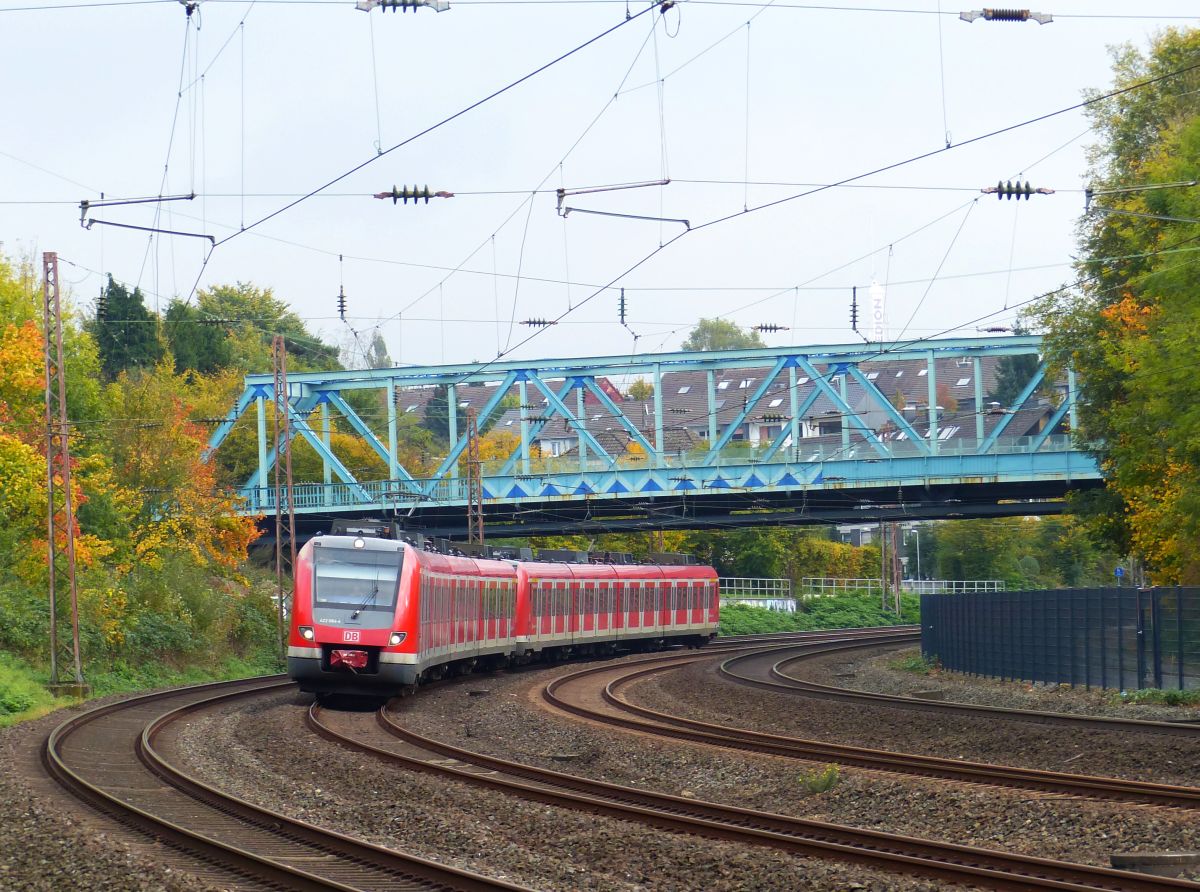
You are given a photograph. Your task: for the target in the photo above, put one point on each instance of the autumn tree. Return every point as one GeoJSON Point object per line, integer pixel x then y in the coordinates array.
{"type": "Point", "coordinates": [1129, 330]}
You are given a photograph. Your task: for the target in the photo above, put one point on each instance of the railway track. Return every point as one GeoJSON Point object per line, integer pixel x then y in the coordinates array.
{"type": "Point", "coordinates": [388, 739]}
{"type": "Point", "coordinates": [750, 670]}
{"type": "Point", "coordinates": [108, 757]}
{"type": "Point", "coordinates": [595, 694]}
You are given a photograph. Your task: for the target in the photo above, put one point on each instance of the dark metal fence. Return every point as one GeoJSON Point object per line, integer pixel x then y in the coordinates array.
{"type": "Point", "coordinates": [1121, 638]}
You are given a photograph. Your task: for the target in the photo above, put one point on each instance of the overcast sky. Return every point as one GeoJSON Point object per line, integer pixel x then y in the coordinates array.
{"type": "Point", "coordinates": [738, 104]}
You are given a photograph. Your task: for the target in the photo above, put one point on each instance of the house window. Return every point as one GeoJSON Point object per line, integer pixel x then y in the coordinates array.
{"type": "Point", "coordinates": [900, 374]}
{"type": "Point", "coordinates": [922, 373]}
{"type": "Point", "coordinates": [775, 403]}
{"type": "Point", "coordinates": [963, 382]}
{"type": "Point", "coordinates": [872, 376]}
{"type": "Point", "coordinates": [508, 423]}
{"type": "Point", "coordinates": [718, 404]}
{"type": "Point", "coordinates": [803, 380]}
{"type": "Point", "coordinates": [746, 382]}
{"type": "Point", "coordinates": [723, 385]}
{"type": "Point", "coordinates": [685, 388]}
{"type": "Point", "coordinates": [411, 408]}
{"type": "Point", "coordinates": [464, 404]}
{"type": "Point", "coordinates": [947, 433]}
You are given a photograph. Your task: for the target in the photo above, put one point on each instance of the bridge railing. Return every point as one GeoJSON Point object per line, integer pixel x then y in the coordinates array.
{"type": "Point", "coordinates": [312, 496]}
{"type": "Point", "coordinates": [771, 593]}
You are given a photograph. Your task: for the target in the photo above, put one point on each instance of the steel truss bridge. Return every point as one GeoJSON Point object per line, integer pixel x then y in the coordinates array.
{"type": "Point", "coordinates": [841, 448]}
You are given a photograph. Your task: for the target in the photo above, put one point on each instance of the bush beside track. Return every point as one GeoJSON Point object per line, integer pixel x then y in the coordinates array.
{"type": "Point", "coordinates": [853, 611]}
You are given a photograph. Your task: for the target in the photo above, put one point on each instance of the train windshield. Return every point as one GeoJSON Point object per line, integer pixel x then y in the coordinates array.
{"type": "Point", "coordinates": [356, 585]}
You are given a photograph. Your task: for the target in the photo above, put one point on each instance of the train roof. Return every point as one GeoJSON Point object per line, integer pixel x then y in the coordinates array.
{"type": "Point", "coordinates": [471, 566]}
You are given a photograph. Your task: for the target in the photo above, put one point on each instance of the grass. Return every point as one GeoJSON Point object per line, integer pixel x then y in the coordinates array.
{"type": "Point", "coordinates": [916, 663]}
{"type": "Point", "coordinates": [24, 697]}
{"type": "Point", "coordinates": [23, 693]}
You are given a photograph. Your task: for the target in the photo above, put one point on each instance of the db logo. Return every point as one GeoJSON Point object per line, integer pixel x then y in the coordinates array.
{"type": "Point", "coordinates": [350, 635]}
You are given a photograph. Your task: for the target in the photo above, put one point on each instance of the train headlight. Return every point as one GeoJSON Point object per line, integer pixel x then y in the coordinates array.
{"type": "Point", "coordinates": [360, 543]}
{"type": "Point", "coordinates": [397, 638]}
{"type": "Point", "coordinates": [306, 632]}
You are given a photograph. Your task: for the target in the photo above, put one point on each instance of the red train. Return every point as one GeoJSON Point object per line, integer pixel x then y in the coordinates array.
{"type": "Point", "coordinates": [376, 615]}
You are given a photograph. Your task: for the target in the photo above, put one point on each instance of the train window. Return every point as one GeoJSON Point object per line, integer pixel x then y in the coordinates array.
{"type": "Point", "coordinates": [356, 586]}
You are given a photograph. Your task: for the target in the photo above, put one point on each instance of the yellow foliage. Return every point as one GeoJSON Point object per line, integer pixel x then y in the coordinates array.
{"type": "Point", "coordinates": [22, 378]}
{"type": "Point", "coordinates": [497, 445]}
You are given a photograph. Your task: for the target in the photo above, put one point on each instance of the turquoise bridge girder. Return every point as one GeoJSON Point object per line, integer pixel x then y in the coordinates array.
{"type": "Point", "coordinates": [813, 436]}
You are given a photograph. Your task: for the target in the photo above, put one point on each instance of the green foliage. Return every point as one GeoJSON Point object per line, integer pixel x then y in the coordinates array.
{"type": "Point", "coordinates": [1024, 552]}
{"type": "Point", "coordinates": [377, 353]}
{"type": "Point", "coordinates": [835, 612]}
{"type": "Point", "coordinates": [197, 345]}
{"type": "Point", "coordinates": [641, 389]}
{"type": "Point", "coordinates": [19, 691]}
{"type": "Point", "coordinates": [128, 335]}
{"type": "Point", "coordinates": [1129, 330]}
{"type": "Point", "coordinates": [916, 663]}
{"type": "Point", "coordinates": [437, 413]}
{"type": "Point", "coordinates": [1012, 374]}
{"type": "Point", "coordinates": [820, 781]}
{"type": "Point", "coordinates": [720, 334]}
{"type": "Point", "coordinates": [255, 315]}
{"type": "Point", "coordinates": [1168, 697]}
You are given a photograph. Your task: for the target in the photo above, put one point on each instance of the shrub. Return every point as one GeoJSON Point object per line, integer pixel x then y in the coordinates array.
{"type": "Point", "coordinates": [820, 781]}
{"type": "Point", "coordinates": [159, 635]}
{"type": "Point", "coordinates": [917, 663]}
{"type": "Point", "coordinates": [853, 611]}
{"type": "Point", "coordinates": [1167, 697]}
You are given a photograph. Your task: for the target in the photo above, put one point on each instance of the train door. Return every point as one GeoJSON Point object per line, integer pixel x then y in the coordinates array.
{"type": "Point", "coordinates": [604, 606]}
{"type": "Point", "coordinates": [646, 606]}
{"type": "Point", "coordinates": [585, 619]}
{"type": "Point", "coordinates": [562, 599]}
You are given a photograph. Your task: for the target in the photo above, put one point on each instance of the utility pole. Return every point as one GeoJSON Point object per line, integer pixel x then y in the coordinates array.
{"type": "Point", "coordinates": [60, 506]}
{"type": "Point", "coordinates": [897, 569]}
{"type": "Point", "coordinates": [882, 568]}
{"type": "Point", "coordinates": [285, 511]}
{"type": "Point", "coordinates": [474, 482]}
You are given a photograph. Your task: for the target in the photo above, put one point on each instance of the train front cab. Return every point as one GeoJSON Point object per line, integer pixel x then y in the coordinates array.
{"type": "Point", "coordinates": [352, 628]}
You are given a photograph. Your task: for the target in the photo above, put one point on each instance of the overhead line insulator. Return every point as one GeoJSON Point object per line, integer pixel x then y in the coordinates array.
{"type": "Point", "coordinates": [1017, 190]}
{"type": "Point", "coordinates": [341, 304]}
{"type": "Point", "coordinates": [416, 194]}
{"type": "Point", "coordinates": [402, 5]}
{"type": "Point", "coordinates": [769, 327]}
{"type": "Point", "coordinates": [538, 323]}
{"type": "Point", "coordinates": [1006, 15]}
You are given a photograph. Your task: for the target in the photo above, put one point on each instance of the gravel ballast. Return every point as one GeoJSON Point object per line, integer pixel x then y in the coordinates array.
{"type": "Point", "coordinates": [274, 762]}
{"type": "Point", "coordinates": [262, 751]}
{"type": "Point", "coordinates": [52, 843]}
